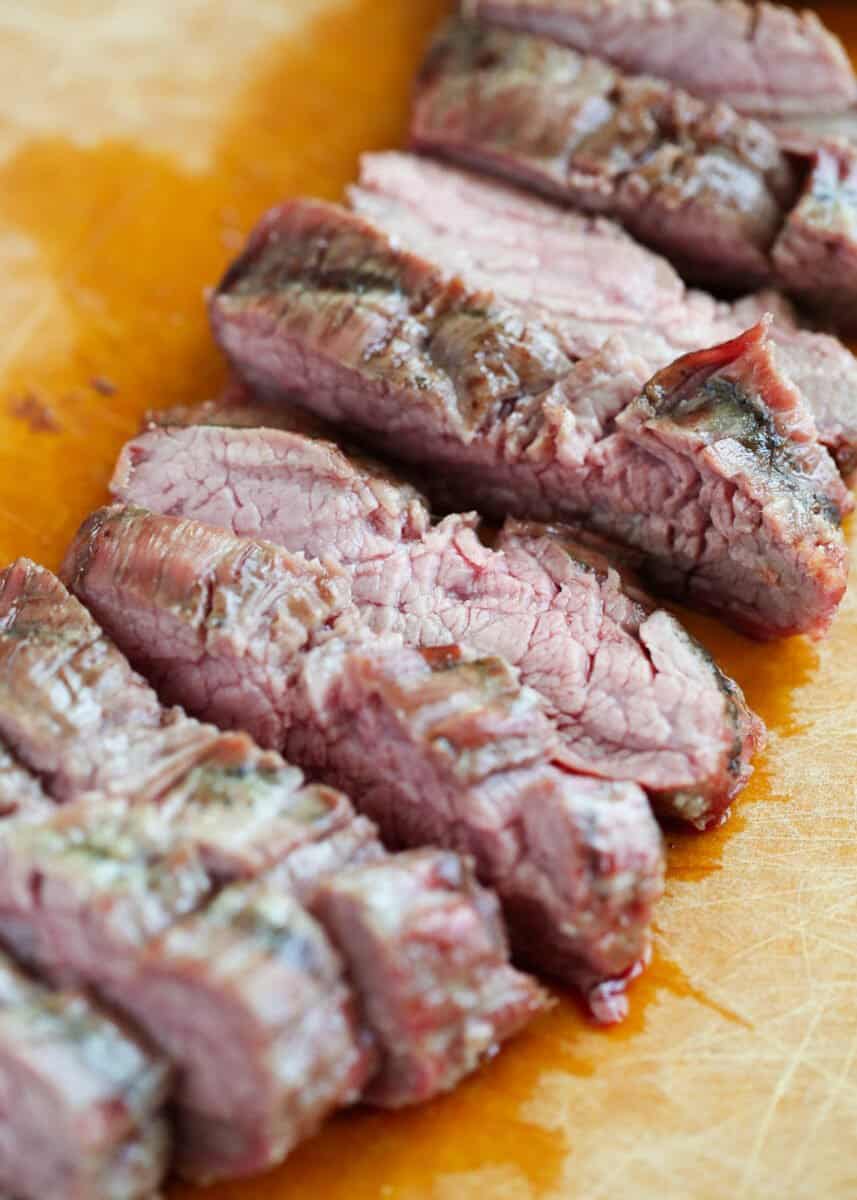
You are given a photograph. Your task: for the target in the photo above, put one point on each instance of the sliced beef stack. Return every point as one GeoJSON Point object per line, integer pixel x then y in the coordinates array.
{"type": "Point", "coordinates": [634, 697]}
{"type": "Point", "coordinates": [711, 189]}
{"type": "Point", "coordinates": [80, 1099]}
{"type": "Point", "coordinates": [181, 899]}
{"type": "Point", "coordinates": [763, 58]}
{"type": "Point", "coordinates": [715, 473]}
{"type": "Point", "coordinates": [704, 185]}
{"type": "Point", "coordinates": [462, 755]}
{"type": "Point", "coordinates": [586, 279]}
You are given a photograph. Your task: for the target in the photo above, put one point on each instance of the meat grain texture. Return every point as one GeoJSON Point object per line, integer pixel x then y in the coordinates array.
{"type": "Point", "coordinates": [590, 282]}
{"type": "Point", "coordinates": [738, 512]}
{"type": "Point", "coordinates": [465, 757]}
{"type": "Point", "coordinates": [633, 696]}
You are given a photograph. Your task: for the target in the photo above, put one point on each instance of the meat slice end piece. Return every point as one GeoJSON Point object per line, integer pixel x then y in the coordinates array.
{"type": "Point", "coordinates": [427, 957]}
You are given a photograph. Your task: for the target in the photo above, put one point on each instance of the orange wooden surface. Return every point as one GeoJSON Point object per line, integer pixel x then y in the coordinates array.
{"type": "Point", "coordinates": [138, 141]}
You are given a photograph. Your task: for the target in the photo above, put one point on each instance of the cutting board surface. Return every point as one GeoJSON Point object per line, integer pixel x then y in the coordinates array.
{"type": "Point", "coordinates": [138, 142]}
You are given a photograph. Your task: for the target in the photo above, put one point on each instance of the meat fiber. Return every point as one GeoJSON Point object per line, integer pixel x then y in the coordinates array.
{"type": "Point", "coordinates": [761, 58]}
{"type": "Point", "coordinates": [124, 895]}
{"type": "Point", "coordinates": [634, 697]}
{"type": "Point", "coordinates": [464, 755]}
{"type": "Point", "coordinates": [816, 252]}
{"type": "Point", "coordinates": [698, 182]}
{"type": "Point", "coordinates": [588, 281]}
{"type": "Point", "coordinates": [81, 1099]}
{"type": "Point", "coordinates": [325, 308]}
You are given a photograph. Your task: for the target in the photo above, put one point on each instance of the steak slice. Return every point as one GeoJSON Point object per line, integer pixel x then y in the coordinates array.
{"type": "Point", "coordinates": [81, 1099]}
{"type": "Point", "coordinates": [70, 706]}
{"type": "Point", "coordinates": [761, 58]}
{"type": "Point", "coordinates": [816, 252]}
{"type": "Point", "coordinates": [325, 308]}
{"type": "Point", "coordinates": [109, 900]}
{"type": "Point", "coordinates": [467, 756]}
{"type": "Point", "coordinates": [698, 182]}
{"type": "Point", "coordinates": [250, 990]}
{"type": "Point", "coordinates": [674, 725]}
{"type": "Point", "coordinates": [416, 918]}
{"type": "Point", "coordinates": [588, 280]}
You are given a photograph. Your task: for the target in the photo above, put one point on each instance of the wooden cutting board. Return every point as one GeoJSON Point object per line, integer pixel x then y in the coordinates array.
{"type": "Point", "coordinates": [138, 142]}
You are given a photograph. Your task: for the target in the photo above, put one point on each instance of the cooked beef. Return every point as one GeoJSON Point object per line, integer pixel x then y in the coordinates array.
{"type": "Point", "coordinates": [535, 112]}
{"type": "Point", "coordinates": [185, 607]}
{"type": "Point", "coordinates": [251, 990]}
{"type": "Point", "coordinates": [241, 810]}
{"type": "Point", "coordinates": [588, 280]}
{"type": "Point", "coordinates": [801, 133]}
{"type": "Point", "coordinates": [673, 724]}
{"type": "Point", "coordinates": [725, 427]}
{"type": "Point", "coordinates": [325, 308]}
{"type": "Point", "coordinates": [464, 755]}
{"type": "Point", "coordinates": [816, 253]}
{"type": "Point", "coordinates": [761, 58]}
{"type": "Point", "coordinates": [575, 861]}
{"type": "Point", "coordinates": [104, 729]}
{"type": "Point", "coordinates": [697, 181]}
{"type": "Point", "coordinates": [118, 896]}
{"type": "Point", "coordinates": [334, 508]}
{"type": "Point", "coordinates": [124, 897]}
{"type": "Point", "coordinates": [103, 896]}
{"type": "Point", "coordinates": [424, 942]}
{"type": "Point", "coordinates": [81, 1099]}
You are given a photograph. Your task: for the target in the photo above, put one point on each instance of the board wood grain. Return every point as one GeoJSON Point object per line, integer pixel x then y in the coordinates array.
{"type": "Point", "coordinates": [138, 142]}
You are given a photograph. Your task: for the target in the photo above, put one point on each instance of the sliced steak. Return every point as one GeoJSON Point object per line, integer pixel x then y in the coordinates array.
{"type": "Point", "coordinates": [251, 992]}
{"type": "Point", "coordinates": [108, 900]}
{"type": "Point", "coordinates": [90, 894]}
{"type": "Point", "coordinates": [675, 725]}
{"type": "Point", "coordinates": [324, 307]}
{"type": "Point", "coordinates": [576, 861]}
{"type": "Point", "coordinates": [761, 58]}
{"type": "Point", "coordinates": [334, 508]}
{"type": "Point", "coordinates": [81, 1099]}
{"type": "Point", "coordinates": [816, 253]}
{"type": "Point", "coordinates": [723, 430]}
{"type": "Point", "coordinates": [124, 897]}
{"type": "Point", "coordinates": [464, 755]}
{"type": "Point", "coordinates": [707, 187]}
{"type": "Point", "coordinates": [104, 726]}
{"type": "Point", "coordinates": [424, 943]}
{"type": "Point", "coordinates": [588, 280]}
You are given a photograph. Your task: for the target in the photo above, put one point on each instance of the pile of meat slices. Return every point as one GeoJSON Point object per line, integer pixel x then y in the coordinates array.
{"type": "Point", "coordinates": [299, 751]}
